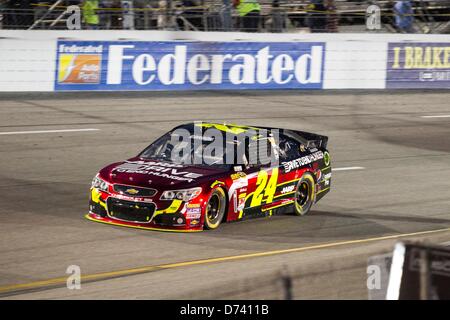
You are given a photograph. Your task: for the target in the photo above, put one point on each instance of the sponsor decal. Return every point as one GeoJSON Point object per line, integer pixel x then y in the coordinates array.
{"type": "Point", "coordinates": [194, 222]}
{"type": "Point", "coordinates": [300, 162]}
{"type": "Point", "coordinates": [79, 64]}
{"type": "Point", "coordinates": [241, 203]}
{"type": "Point", "coordinates": [326, 179]}
{"type": "Point", "coordinates": [418, 65]}
{"type": "Point", "coordinates": [326, 158]}
{"type": "Point", "coordinates": [160, 169]}
{"type": "Point", "coordinates": [132, 191]}
{"type": "Point", "coordinates": [238, 189]}
{"type": "Point", "coordinates": [151, 65]}
{"type": "Point", "coordinates": [124, 197]}
{"type": "Point", "coordinates": [285, 201]}
{"type": "Point", "coordinates": [238, 175]}
{"type": "Point", "coordinates": [193, 215]}
{"type": "Point", "coordinates": [319, 175]}
{"type": "Point", "coordinates": [287, 189]}
{"type": "Point", "coordinates": [193, 211]}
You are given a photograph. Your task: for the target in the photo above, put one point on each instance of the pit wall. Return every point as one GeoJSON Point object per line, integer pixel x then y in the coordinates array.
{"type": "Point", "coordinates": [163, 60]}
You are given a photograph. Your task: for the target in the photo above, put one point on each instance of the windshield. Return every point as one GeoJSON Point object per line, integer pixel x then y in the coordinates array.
{"type": "Point", "coordinates": [192, 150]}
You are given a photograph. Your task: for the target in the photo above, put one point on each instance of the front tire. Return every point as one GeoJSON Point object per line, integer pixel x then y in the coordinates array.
{"type": "Point", "coordinates": [304, 194]}
{"type": "Point", "coordinates": [215, 209]}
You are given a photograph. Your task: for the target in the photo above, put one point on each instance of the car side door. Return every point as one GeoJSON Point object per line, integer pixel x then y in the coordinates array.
{"type": "Point", "coordinates": [263, 177]}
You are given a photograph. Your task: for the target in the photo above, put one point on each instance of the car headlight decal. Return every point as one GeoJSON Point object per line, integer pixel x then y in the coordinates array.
{"type": "Point", "coordinates": [100, 184]}
{"type": "Point", "coordinates": [184, 194]}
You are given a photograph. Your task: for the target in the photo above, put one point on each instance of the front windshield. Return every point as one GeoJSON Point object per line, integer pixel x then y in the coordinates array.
{"type": "Point", "coordinates": [192, 150]}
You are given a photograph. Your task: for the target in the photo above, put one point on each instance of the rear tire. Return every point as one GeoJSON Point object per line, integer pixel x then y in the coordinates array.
{"type": "Point", "coordinates": [304, 194]}
{"type": "Point", "coordinates": [215, 209]}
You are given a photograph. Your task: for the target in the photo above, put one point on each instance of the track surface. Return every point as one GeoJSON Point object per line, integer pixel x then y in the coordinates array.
{"type": "Point", "coordinates": [45, 177]}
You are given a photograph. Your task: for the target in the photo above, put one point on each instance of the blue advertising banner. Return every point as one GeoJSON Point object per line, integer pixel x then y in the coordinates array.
{"type": "Point", "coordinates": [418, 65]}
{"type": "Point", "coordinates": [142, 65]}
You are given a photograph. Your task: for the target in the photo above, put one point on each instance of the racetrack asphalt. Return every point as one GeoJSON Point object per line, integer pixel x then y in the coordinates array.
{"type": "Point", "coordinates": [51, 145]}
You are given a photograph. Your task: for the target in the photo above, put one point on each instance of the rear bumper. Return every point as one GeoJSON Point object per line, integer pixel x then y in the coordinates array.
{"type": "Point", "coordinates": [145, 226]}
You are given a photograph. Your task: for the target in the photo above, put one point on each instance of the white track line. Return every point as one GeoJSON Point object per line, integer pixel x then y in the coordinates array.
{"type": "Point", "coordinates": [347, 168]}
{"type": "Point", "coordinates": [438, 116]}
{"type": "Point", "coordinates": [47, 131]}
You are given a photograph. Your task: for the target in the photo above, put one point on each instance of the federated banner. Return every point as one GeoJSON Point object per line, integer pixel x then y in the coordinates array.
{"type": "Point", "coordinates": [142, 65]}
{"type": "Point", "coordinates": [418, 65]}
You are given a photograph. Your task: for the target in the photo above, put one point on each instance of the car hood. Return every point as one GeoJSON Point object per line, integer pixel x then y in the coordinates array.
{"type": "Point", "coordinates": [158, 174]}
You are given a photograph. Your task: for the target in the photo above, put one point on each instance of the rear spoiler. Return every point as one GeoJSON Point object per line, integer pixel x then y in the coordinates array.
{"type": "Point", "coordinates": [312, 140]}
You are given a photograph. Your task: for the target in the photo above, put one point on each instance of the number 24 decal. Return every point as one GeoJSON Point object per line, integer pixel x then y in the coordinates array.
{"type": "Point", "coordinates": [265, 187]}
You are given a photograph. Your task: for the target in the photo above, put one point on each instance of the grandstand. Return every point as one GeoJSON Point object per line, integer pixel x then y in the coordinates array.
{"type": "Point", "coordinates": [211, 15]}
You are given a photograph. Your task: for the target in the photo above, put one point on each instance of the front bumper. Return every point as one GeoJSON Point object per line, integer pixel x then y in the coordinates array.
{"type": "Point", "coordinates": [107, 220]}
{"type": "Point", "coordinates": [134, 213]}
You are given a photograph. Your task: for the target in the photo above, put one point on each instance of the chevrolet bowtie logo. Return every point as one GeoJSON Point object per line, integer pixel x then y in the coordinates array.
{"type": "Point", "coordinates": [132, 191]}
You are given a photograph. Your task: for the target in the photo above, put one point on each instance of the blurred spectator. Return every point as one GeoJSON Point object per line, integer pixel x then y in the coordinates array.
{"type": "Point", "coordinates": [115, 14]}
{"type": "Point", "coordinates": [404, 16]}
{"type": "Point", "coordinates": [277, 23]}
{"type": "Point", "coordinates": [90, 14]}
{"type": "Point", "coordinates": [316, 19]}
{"type": "Point", "coordinates": [140, 14]}
{"type": "Point", "coordinates": [105, 13]}
{"type": "Point", "coordinates": [128, 14]}
{"type": "Point", "coordinates": [332, 16]}
{"type": "Point", "coordinates": [20, 14]}
{"type": "Point", "coordinates": [249, 11]}
{"type": "Point", "coordinates": [152, 14]}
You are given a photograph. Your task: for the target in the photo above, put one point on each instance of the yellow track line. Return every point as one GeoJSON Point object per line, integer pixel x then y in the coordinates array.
{"type": "Point", "coordinates": [133, 271]}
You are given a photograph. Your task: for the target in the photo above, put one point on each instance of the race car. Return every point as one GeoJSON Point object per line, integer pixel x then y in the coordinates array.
{"type": "Point", "coordinates": [199, 175]}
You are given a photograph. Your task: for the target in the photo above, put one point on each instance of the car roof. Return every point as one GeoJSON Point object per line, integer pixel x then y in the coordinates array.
{"type": "Point", "coordinates": [226, 127]}
{"type": "Point", "coordinates": [302, 137]}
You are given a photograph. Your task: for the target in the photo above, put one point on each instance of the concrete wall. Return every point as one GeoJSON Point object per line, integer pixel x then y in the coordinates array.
{"type": "Point", "coordinates": [31, 61]}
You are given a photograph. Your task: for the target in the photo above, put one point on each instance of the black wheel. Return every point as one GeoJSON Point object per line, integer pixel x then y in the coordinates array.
{"type": "Point", "coordinates": [215, 209]}
{"type": "Point", "coordinates": [304, 194]}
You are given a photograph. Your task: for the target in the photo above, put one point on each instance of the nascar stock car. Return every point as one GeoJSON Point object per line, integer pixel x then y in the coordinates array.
{"type": "Point", "coordinates": [175, 185]}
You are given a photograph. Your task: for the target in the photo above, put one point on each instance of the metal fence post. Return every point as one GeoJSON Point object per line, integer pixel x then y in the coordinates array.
{"type": "Point", "coordinates": [424, 275]}
{"type": "Point", "coordinates": [277, 18]}
{"type": "Point", "coordinates": [226, 15]}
